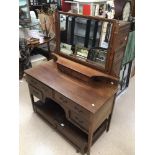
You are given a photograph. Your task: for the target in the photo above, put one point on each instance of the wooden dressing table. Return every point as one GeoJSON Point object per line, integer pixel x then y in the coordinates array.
{"type": "Point", "coordinates": [75, 98]}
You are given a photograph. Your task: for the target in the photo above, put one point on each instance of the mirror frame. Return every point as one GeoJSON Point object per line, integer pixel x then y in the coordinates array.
{"type": "Point", "coordinates": [110, 51]}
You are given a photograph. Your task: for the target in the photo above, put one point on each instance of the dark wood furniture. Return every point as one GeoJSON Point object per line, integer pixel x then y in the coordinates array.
{"type": "Point", "coordinates": [40, 36]}
{"type": "Point", "coordinates": [119, 6]}
{"type": "Point", "coordinates": [86, 105]}
{"type": "Point", "coordinates": [42, 40]}
{"type": "Point", "coordinates": [78, 98]}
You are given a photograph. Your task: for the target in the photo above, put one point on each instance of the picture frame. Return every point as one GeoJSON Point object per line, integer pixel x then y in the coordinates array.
{"type": "Point", "coordinates": [66, 48]}
{"type": "Point", "coordinates": [81, 52]}
{"type": "Point", "coordinates": [97, 55]}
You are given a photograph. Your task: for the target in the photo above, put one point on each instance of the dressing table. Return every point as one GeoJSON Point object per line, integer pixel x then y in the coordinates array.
{"type": "Point", "coordinates": [77, 95]}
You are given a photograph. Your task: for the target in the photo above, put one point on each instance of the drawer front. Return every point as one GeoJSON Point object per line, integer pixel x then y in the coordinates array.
{"type": "Point", "coordinates": [80, 111]}
{"type": "Point", "coordinates": [33, 81]}
{"type": "Point", "coordinates": [71, 105]}
{"type": "Point", "coordinates": [79, 121]}
{"type": "Point", "coordinates": [61, 99]}
{"type": "Point", "coordinates": [47, 92]}
{"type": "Point", "coordinates": [36, 92]}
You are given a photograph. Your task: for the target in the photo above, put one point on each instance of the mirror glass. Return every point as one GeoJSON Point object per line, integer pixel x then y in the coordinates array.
{"type": "Point", "coordinates": [85, 39]}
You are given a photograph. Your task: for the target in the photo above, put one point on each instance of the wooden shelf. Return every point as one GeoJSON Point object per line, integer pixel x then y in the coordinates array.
{"type": "Point", "coordinates": [87, 1]}
{"type": "Point", "coordinates": [77, 70]}
{"type": "Point", "coordinates": [55, 115]}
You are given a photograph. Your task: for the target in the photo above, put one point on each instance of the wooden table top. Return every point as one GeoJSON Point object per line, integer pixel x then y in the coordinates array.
{"type": "Point", "coordinates": [82, 93]}
{"type": "Point", "coordinates": [40, 36]}
{"type": "Point", "coordinates": [27, 34]}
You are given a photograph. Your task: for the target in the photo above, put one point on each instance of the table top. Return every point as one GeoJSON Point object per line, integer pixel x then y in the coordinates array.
{"type": "Point", "coordinates": [27, 34]}
{"type": "Point", "coordinates": [38, 35]}
{"type": "Point", "coordinates": [83, 93]}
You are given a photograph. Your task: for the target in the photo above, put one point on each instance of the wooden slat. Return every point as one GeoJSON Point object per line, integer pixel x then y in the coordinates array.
{"type": "Point", "coordinates": [72, 31]}
{"type": "Point", "coordinates": [95, 34]}
{"type": "Point", "coordinates": [86, 42]}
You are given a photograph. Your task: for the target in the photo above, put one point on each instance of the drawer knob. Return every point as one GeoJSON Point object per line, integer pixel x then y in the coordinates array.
{"type": "Point", "coordinates": [62, 124]}
{"type": "Point", "coordinates": [112, 83]}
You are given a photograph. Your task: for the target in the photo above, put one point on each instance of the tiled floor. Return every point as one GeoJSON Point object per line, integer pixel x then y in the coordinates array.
{"type": "Point", "coordinates": [38, 138]}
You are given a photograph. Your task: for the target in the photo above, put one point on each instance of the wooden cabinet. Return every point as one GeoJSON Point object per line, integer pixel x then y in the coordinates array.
{"type": "Point", "coordinates": [77, 97]}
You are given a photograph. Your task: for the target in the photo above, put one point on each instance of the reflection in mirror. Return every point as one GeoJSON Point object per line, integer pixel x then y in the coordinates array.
{"type": "Point", "coordinates": [85, 39]}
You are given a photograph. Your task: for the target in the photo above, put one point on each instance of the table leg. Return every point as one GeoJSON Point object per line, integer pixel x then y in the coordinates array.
{"type": "Point", "coordinates": [108, 124]}
{"type": "Point", "coordinates": [49, 51]}
{"type": "Point", "coordinates": [32, 101]}
{"type": "Point", "coordinates": [90, 138]}
{"type": "Point", "coordinates": [110, 116]}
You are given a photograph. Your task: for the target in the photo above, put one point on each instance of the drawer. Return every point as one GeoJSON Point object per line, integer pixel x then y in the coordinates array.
{"type": "Point", "coordinates": [79, 121]}
{"type": "Point", "coordinates": [61, 99]}
{"type": "Point", "coordinates": [48, 92]}
{"type": "Point", "coordinates": [36, 92]}
{"type": "Point", "coordinates": [33, 81]}
{"type": "Point", "coordinates": [71, 105]}
{"type": "Point", "coordinates": [80, 111]}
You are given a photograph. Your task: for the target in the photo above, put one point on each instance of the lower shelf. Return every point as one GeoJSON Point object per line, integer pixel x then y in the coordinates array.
{"type": "Point", "coordinates": [55, 115]}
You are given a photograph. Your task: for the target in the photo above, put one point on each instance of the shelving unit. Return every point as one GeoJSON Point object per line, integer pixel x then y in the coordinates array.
{"type": "Point", "coordinates": [77, 3]}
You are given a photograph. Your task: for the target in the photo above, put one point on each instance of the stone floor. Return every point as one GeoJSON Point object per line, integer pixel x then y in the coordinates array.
{"type": "Point", "coordinates": [38, 138]}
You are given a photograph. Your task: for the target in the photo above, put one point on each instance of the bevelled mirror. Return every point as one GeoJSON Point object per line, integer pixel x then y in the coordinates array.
{"type": "Point", "coordinates": [84, 38]}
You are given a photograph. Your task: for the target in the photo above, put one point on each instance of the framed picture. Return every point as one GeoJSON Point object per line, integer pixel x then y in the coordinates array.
{"type": "Point", "coordinates": [81, 52]}
{"type": "Point", "coordinates": [66, 48]}
{"type": "Point", "coordinates": [97, 55]}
